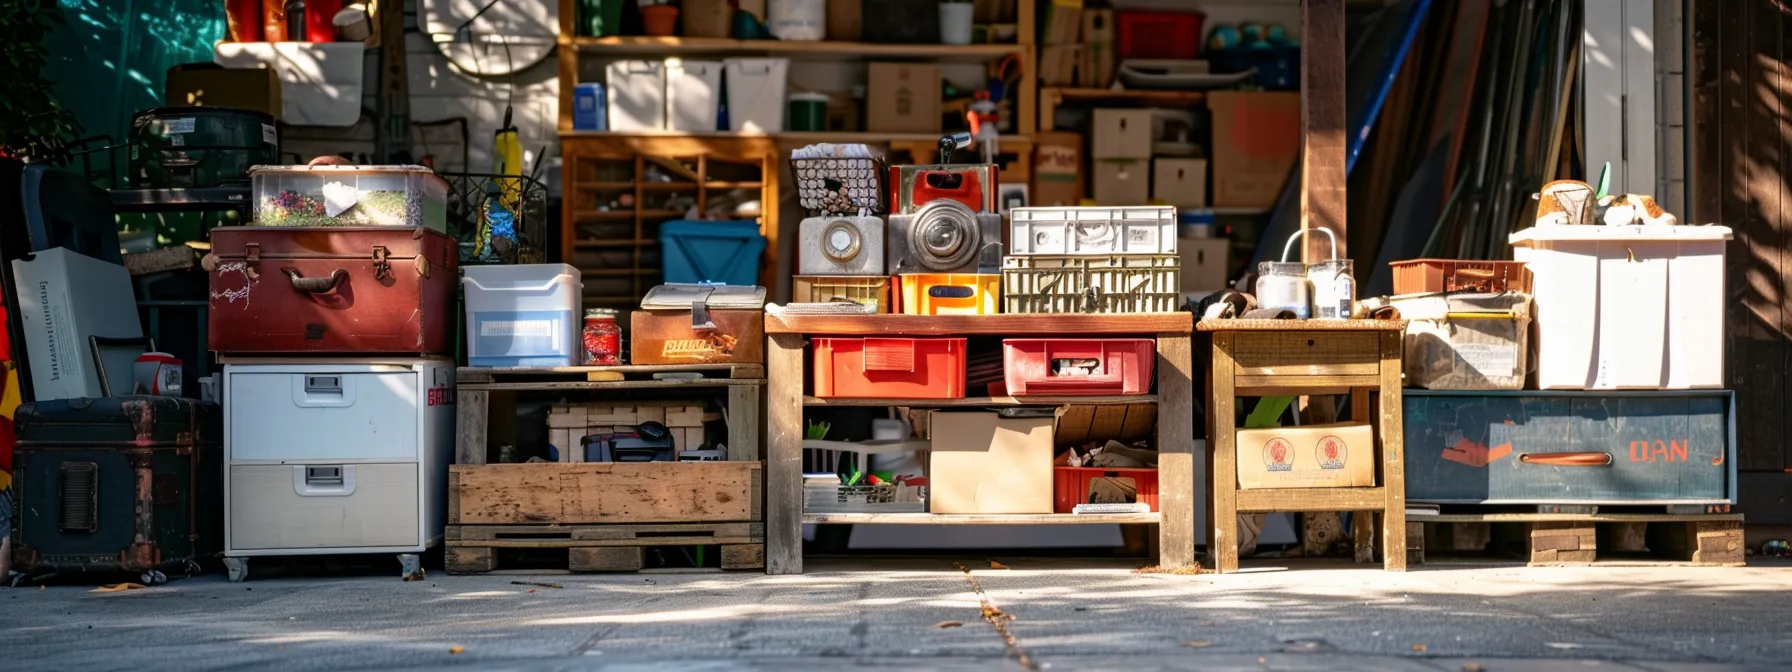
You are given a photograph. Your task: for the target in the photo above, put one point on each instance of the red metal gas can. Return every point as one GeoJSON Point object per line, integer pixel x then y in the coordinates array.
{"type": "Point", "coordinates": [332, 290]}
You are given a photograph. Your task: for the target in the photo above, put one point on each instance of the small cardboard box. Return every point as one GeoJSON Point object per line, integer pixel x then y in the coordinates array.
{"type": "Point", "coordinates": [1338, 455]}
{"type": "Point", "coordinates": [665, 331]}
{"type": "Point", "coordinates": [1256, 141]}
{"type": "Point", "coordinates": [1057, 169]}
{"type": "Point", "coordinates": [1122, 183]}
{"type": "Point", "coordinates": [1124, 134]}
{"type": "Point", "coordinates": [902, 98]}
{"type": "Point", "coordinates": [1180, 182]}
{"type": "Point", "coordinates": [1095, 66]}
{"type": "Point", "coordinates": [1206, 263]}
{"type": "Point", "coordinates": [984, 463]}
{"type": "Point", "coordinates": [208, 85]}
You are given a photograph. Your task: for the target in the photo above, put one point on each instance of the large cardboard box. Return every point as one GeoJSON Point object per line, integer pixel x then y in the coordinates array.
{"type": "Point", "coordinates": [984, 463]}
{"type": "Point", "coordinates": [1122, 182]}
{"type": "Point", "coordinates": [1338, 455]}
{"type": "Point", "coordinates": [1206, 263]}
{"type": "Point", "coordinates": [1256, 141]}
{"type": "Point", "coordinates": [208, 85]}
{"type": "Point", "coordinates": [1122, 134]}
{"type": "Point", "coordinates": [902, 98]}
{"type": "Point", "coordinates": [1057, 168]}
{"type": "Point", "coordinates": [1180, 182]}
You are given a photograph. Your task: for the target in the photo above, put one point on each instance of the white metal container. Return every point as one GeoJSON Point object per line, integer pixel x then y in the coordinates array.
{"type": "Point", "coordinates": [637, 95]}
{"type": "Point", "coordinates": [1056, 231]}
{"type": "Point", "coordinates": [523, 315]}
{"type": "Point", "coordinates": [756, 94]}
{"type": "Point", "coordinates": [693, 94]}
{"type": "Point", "coordinates": [336, 456]}
{"type": "Point", "coordinates": [1627, 307]}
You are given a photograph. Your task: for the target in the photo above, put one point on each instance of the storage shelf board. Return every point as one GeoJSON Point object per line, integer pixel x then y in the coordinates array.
{"type": "Point", "coordinates": [1067, 325]}
{"type": "Point", "coordinates": [981, 518]}
{"type": "Point", "coordinates": [653, 45]}
{"type": "Point", "coordinates": [1056, 400]}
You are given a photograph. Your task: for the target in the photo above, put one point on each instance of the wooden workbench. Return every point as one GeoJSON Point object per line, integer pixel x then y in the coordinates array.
{"type": "Point", "coordinates": [785, 400]}
{"type": "Point", "coordinates": [1262, 358]}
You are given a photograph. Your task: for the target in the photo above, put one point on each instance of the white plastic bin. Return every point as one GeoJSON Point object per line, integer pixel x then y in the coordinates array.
{"type": "Point", "coordinates": [523, 315]}
{"type": "Point", "coordinates": [1627, 307]}
{"type": "Point", "coordinates": [637, 95]}
{"type": "Point", "coordinates": [693, 94]}
{"type": "Point", "coordinates": [756, 94]}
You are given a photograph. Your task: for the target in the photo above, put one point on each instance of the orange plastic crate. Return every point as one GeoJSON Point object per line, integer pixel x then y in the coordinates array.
{"type": "Point", "coordinates": [1070, 485]}
{"type": "Point", "coordinates": [1421, 276]}
{"type": "Point", "coordinates": [889, 368]}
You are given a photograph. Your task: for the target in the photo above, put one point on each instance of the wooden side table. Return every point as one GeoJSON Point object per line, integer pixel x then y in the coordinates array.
{"type": "Point", "coordinates": [1261, 358]}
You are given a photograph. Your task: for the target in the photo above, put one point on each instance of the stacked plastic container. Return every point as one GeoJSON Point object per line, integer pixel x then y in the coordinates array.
{"type": "Point", "coordinates": [686, 95]}
{"type": "Point", "coordinates": [1092, 260]}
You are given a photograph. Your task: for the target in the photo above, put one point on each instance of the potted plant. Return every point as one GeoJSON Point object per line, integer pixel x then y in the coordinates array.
{"type": "Point", "coordinates": [659, 17]}
{"type": "Point", "coordinates": [32, 123]}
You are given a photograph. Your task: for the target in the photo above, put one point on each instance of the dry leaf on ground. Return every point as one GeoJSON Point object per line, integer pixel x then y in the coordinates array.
{"type": "Point", "coordinates": [1197, 644]}
{"type": "Point", "coordinates": [1471, 667]}
{"type": "Point", "coordinates": [117, 587]}
{"type": "Point", "coordinates": [949, 624]}
{"type": "Point", "coordinates": [455, 650]}
{"type": "Point", "coordinates": [996, 565]}
{"type": "Point", "coordinates": [1419, 648]}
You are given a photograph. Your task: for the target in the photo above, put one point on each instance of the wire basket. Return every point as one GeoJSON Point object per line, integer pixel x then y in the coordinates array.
{"type": "Point", "coordinates": [497, 219]}
{"type": "Point", "coordinates": [833, 498]}
{"type": "Point", "coordinates": [840, 186]}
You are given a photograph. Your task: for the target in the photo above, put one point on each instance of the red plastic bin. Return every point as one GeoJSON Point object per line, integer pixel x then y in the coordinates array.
{"type": "Point", "coordinates": [889, 368]}
{"type": "Point", "coordinates": [1423, 276]}
{"type": "Point", "coordinates": [1070, 485]}
{"type": "Point", "coordinates": [1158, 34]}
{"type": "Point", "coordinates": [1108, 365]}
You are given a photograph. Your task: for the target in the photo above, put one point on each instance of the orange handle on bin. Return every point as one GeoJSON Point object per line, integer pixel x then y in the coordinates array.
{"type": "Point", "coordinates": [889, 354]}
{"type": "Point", "coordinates": [1567, 459]}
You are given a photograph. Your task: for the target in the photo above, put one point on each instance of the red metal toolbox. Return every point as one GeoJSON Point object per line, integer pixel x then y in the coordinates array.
{"type": "Point", "coordinates": [890, 368]}
{"type": "Point", "coordinates": [1075, 485]}
{"type": "Point", "coordinates": [1091, 366]}
{"type": "Point", "coordinates": [387, 290]}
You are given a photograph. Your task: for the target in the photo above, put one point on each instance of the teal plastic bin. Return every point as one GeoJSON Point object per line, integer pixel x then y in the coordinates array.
{"type": "Point", "coordinates": [725, 252]}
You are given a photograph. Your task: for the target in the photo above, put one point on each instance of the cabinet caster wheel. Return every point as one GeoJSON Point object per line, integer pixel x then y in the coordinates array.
{"type": "Point", "coordinates": [238, 567]}
{"type": "Point", "coordinates": [411, 567]}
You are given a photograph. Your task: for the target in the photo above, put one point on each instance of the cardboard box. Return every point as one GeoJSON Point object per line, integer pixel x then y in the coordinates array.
{"type": "Point", "coordinates": [208, 85]}
{"type": "Point", "coordinates": [1125, 134]}
{"type": "Point", "coordinates": [1095, 67]}
{"type": "Point", "coordinates": [902, 98]}
{"type": "Point", "coordinates": [1256, 142]}
{"type": "Point", "coordinates": [984, 463]}
{"type": "Point", "coordinates": [1206, 263]}
{"type": "Point", "coordinates": [1063, 20]}
{"type": "Point", "coordinates": [1339, 455]}
{"type": "Point", "coordinates": [844, 20]}
{"type": "Point", "coordinates": [1180, 182]}
{"type": "Point", "coordinates": [1057, 65]}
{"type": "Point", "coordinates": [1122, 182]}
{"type": "Point", "coordinates": [666, 337]}
{"type": "Point", "coordinates": [1057, 169]}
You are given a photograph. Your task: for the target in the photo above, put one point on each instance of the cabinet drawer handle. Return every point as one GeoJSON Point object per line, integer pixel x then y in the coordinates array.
{"type": "Point", "coordinates": [1567, 459]}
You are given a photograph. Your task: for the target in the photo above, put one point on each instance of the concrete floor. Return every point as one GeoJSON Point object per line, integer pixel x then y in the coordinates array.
{"type": "Point", "coordinates": [1066, 615]}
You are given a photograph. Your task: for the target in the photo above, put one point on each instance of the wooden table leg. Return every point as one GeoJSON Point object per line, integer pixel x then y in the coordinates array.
{"type": "Point", "coordinates": [472, 423]}
{"type": "Point", "coordinates": [1393, 448]}
{"type": "Point", "coordinates": [1223, 479]}
{"type": "Point", "coordinates": [1176, 452]}
{"type": "Point", "coordinates": [784, 454]}
{"type": "Point", "coordinates": [1362, 525]}
{"type": "Point", "coordinates": [744, 416]}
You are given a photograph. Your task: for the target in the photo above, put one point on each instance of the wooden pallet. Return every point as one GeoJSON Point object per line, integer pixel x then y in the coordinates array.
{"type": "Point", "coordinates": [599, 374]}
{"type": "Point", "coordinates": [477, 549]}
{"type": "Point", "coordinates": [1555, 539]}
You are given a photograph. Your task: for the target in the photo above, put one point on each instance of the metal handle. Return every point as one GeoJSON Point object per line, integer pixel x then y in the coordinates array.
{"type": "Point", "coordinates": [951, 292]}
{"type": "Point", "coordinates": [1567, 459]}
{"type": "Point", "coordinates": [1302, 234]}
{"type": "Point", "coordinates": [316, 285]}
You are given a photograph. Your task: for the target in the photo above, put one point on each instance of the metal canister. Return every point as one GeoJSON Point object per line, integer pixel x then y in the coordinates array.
{"type": "Point", "coordinates": [1334, 285]}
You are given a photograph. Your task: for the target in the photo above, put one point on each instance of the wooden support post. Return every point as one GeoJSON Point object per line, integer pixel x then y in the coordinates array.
{"type": "Point", "coordinates": [472, 413]}
{"type": "Point", "coordinates": [1176, 450]}
{"type": "Point", "coordinates": [1563, 543]}
{"type": "Point", "coordinates": [1223, 441]}
{"type": "Point", "coordinates": [1717, 543]}
{"type": "Point", "coordinates": [745, 415]}
{"type": "Point", "coordinates": [1322, 172]}
{"type": "Point", "coordinates": [1391, 436]}
{"type": "Point", "coordinates": [784, 454]}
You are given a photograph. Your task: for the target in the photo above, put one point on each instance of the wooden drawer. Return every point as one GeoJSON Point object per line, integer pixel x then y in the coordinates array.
{"type": "Point", "coordinates": [1303, 353]}
{"type": "Point", "coordinates": [567, 494]}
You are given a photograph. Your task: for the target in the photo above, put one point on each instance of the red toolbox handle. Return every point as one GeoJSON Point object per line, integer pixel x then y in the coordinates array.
{"type": "Point", "coordinates": [322, 285]}
{"type": "Point", "coordinates": [889, 354]}
{"type": "Point", "coordinates": [1567, 459]}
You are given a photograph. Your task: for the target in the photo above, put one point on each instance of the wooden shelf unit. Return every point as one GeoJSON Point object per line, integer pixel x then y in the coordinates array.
{"type": "Point", "coordinates": [670, 45]}
{"type": "Point", "coordinates": [786, 373]}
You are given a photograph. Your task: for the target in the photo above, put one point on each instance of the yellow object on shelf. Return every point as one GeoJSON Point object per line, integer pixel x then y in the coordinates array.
{"type": "Point", "coordinates": [950, 293]}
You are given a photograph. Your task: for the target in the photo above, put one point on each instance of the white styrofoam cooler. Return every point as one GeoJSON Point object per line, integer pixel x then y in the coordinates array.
{"type": "Point", "coordinates": [756, 98]}
{"type": "Point", "coordinates": [1627, 307]}
{"type": "Point", "coordinates": [336, 456]}
{"type": "Point", "coordinates": [522, 315]}
{"type": "Point", "coordinates": [1092, 230]}
{"type": "Point", "coordinates": [637, 95]}
{"type": "Point", "coordinates": [693, 94]}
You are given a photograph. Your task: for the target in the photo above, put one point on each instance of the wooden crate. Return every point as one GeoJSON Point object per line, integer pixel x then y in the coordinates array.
{"type": "Point", "coordinates": [605, 493]}
{"type": "Point", "coordinates": [474, 549]}
{"type": "Point", "coordinates": [1552, 539]}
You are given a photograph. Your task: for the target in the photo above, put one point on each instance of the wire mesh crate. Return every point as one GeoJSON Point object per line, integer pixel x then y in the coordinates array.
{"type": "Point", "coordinates": [498, 219]}
{"type": "Point", "coordinates": [1116, 283]}
{"type": "Point", "coordinates": [836, 498]}
{"type": "Point", "coordinates": [839, 185]}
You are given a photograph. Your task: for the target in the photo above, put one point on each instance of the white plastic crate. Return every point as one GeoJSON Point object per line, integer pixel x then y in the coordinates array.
{"type": "Point", "coordinates": [693, 94]}
{"type": "Point", "coordinates": [756, 94]}
{"type": "Point", "coordinates": [1095, 230]}
{"type": "Point", "coordinates": [1116, 283]}
{"type": "Point", "coordinates": [523, 315]}
{"type": "Point", "coordinates": [637, 95]}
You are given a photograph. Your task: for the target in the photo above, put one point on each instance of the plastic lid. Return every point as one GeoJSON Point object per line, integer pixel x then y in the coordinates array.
{"type": "Point", "coordinates": [679, 296]}
{"type": "Point", "coordinates": [600, 313]}
{"type": "Point", "coordinates": [810, 97]}
{"type": "Point", "coordinates": [340, 169]}
{"type": "Point", "coordinates": [1641, 232]}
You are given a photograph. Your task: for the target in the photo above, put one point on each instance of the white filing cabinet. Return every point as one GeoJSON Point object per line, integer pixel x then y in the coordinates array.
{"type": "Point", "coordinates": [335, 456]}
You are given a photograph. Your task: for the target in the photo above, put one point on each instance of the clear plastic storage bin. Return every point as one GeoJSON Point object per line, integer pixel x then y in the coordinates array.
{"type": "Point", "coordinates": [349, 196]}
{"type": "Point", "coordinates": [522, 315]}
